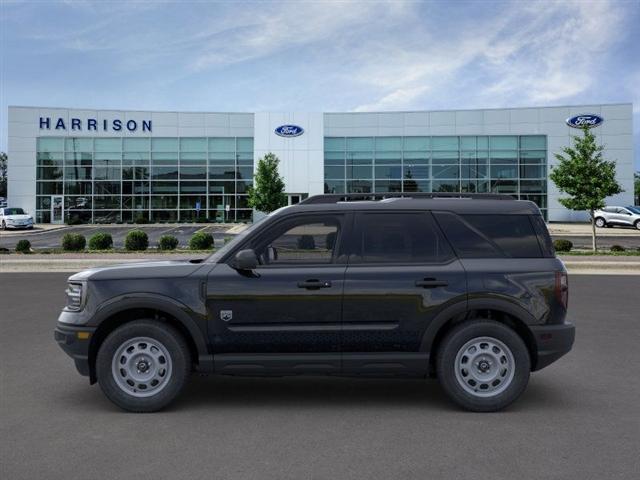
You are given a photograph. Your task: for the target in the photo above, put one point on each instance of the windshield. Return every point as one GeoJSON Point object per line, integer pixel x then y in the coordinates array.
{"type": "Point", "coordinates": [218, 254]}
{"type": "Point", "coordinates": [13, 211]}
{"type": "Point", "coordinates": [634, 209]}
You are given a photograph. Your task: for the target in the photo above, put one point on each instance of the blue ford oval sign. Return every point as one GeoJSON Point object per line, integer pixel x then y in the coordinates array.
{"type": "Point", "coordinates": [289, 131]}
{"type": "Point", "coordinates": [587, 120]}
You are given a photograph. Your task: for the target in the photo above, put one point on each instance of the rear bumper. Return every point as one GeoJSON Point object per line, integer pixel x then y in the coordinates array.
{"type": "Point", "coordinates": [75, 343]}
{"type": "Point", "coordinates": [552, 341]}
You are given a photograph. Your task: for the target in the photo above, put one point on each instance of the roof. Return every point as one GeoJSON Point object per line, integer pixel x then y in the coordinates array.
{"type": "Point", "coordinates": [465, 204]}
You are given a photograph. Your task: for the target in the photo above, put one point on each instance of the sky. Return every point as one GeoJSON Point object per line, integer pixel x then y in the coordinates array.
{"type": "Point", "coordinates": [318, 55]}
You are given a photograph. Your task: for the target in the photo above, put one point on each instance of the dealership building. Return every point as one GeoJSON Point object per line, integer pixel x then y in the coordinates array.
{"type": "Point", "coordinates": [107, 166]}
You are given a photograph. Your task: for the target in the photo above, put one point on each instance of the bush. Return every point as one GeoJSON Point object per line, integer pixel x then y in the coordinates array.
{"type": "Point", "coordinates": [136, 240]}
{"type": "Point", "coordinates": [617, 248]}
{"type": "Point", "coordinates": [73, 242]}
{"type": "Point", "coordinates": [101, 241]}
{"type": "Point", "coordinates": [141, 220]}
{"type": "Point", "coordinates": [201, 241]}
{"type": "Point", "coordinates": [562, 245]}
{"type": "Point", "coordinates": [167, 242]}
{"type": "Point", "coordinates": [23, 246]}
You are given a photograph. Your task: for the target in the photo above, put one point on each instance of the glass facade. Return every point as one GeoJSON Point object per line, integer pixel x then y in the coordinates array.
{"type": "Point", "coordinates": [510, 164]}
{"type": "Point", "coordinates": [108, 180]}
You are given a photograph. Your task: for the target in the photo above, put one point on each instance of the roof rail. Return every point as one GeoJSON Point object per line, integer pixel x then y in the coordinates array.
{"type": "Point", "coordinates": [359, 197]}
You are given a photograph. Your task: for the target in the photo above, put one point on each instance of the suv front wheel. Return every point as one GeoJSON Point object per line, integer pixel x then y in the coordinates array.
{"type": "Point", "coordinates": [143, 365]}
{"type": "Point", "coordinates": [483, 365]}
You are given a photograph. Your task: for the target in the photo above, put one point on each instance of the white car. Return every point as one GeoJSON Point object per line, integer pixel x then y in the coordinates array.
{"type": "Point", "coordinates": [622, 216]}
{"type": "Point", "coordinates": [15, 218]}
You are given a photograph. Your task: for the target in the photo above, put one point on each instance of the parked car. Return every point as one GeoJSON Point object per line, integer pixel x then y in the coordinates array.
{"type": "Point", "coordinates": [621, 216]}
{"type": "Point", "coordinates": [468, 291]}
{"type": "Point", "coordinates": [15, 218]}
{"type": "Point", "coordinates": [3, 202]}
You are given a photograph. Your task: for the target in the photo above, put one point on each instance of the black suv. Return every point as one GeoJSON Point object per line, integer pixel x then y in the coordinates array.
{"type": "Point", "coordinates": [466, 288]}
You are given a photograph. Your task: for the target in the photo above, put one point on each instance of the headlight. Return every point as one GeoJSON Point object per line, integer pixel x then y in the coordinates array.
{"type": "Point", "coordinates": [75, 297]}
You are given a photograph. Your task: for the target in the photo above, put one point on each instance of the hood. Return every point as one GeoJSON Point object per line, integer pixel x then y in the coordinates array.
{"type": "Point", "coordinates": [18, 217]}
{"type": "Point", "coordinates": [139, 270]}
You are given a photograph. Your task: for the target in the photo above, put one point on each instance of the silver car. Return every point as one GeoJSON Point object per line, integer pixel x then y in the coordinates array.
{"type": "Point", "coordinates": [622, 216]}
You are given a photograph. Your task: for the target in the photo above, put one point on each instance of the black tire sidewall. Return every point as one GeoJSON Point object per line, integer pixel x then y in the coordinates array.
{"type": "Point", "coordinates": [176, 348]}
{"type": "Point", "coordinates": [460, 335]}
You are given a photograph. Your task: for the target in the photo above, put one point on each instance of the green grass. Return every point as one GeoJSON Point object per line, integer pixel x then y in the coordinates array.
{"type": "Point", "coordinates": [587, 253]}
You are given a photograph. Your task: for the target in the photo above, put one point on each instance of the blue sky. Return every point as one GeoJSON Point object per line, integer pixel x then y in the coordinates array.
{"type": "Point", "coordinates": [318, 56]}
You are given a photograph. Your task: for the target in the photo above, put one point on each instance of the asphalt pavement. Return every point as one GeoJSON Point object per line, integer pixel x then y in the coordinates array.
{"type": "Point", "coordinates": [578, 419]}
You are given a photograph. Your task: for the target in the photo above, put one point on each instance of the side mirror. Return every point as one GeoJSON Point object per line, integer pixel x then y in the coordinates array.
{"type": "Point", "coordinates": [245, 260]}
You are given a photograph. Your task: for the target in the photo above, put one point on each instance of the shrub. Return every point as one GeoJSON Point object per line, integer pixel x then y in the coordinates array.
{"type": "Point", "coordinates": [201, 241]}
{"type": "Point", "coordinates": [136, 240]}
{"type": "Point", "coordinates": [73, 242]}
{"type": "Point", "coordinates": [101, 241]}
{"type": "Point", "coordinates": [141, 220]}
{"type": "Point", "coordinates": [617, 248]}
{"type": "Point", "coordinates": [23, 246]}
{"type": "Point", "coordinates": [562, 245]}
{"type": "Point", "coordinates": [167, 242]}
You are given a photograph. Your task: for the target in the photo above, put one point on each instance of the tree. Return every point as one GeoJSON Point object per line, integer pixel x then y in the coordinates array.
{"type": "Point", "coordinates": [636, 188]}
{"type": "Point", "coordinates": [585, 176]}
{"type": "Point", "coordinates": [267, 193]}
{"type": "Point", "coordinates": [3, 174]}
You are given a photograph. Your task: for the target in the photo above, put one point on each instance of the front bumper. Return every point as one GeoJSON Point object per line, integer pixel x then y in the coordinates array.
{"type": "Point", "coordinates": [75, 342]}
{"type": "Point", "coordinates": [552, 341]}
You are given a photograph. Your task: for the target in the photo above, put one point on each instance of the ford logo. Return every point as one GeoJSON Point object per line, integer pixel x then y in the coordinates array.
{"type": "Point", "coordinates": [289, 131]}
{"type": "Point", "coordinates": [587, 120]}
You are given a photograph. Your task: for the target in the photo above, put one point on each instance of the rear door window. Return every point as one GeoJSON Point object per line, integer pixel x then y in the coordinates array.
{"type": "Point", "coordinates": [399, 237]}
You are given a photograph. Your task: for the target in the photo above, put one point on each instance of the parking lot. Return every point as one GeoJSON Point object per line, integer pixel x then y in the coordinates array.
{"type": "Point", "coordinates": [580, 418]}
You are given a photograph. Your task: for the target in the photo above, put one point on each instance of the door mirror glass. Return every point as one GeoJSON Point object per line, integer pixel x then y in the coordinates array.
{"type": "Point", "coordinates": [245, 260]}
{"type": "Point", "coordinates": [272, 254]}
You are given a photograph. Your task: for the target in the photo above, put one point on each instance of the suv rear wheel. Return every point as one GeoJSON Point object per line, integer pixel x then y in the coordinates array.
{"type": "Point", "coordinates": [143, 365]}
{"type": "Point", "coordinates": [483, 365]}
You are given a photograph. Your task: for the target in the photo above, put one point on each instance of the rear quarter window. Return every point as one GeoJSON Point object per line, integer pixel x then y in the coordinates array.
{"type": "Point", "coordinates": [491, 236]}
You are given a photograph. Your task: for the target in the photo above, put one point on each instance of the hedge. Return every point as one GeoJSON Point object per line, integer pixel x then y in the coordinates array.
{"type": "Point", "coordinates": [562, 245]}
{"type": "Point", "coordinates": [201, 241]}
{"type": "Point", "coordinates": [73, 242]}
{"type": "Point", "coordinates": [136, 240]}
{"type": "Point", "coordinates": [101, 241]}
{"type": "Point", "coordinates": [23, 246]}
{"type": "Point", "coordinates": [167, 242]}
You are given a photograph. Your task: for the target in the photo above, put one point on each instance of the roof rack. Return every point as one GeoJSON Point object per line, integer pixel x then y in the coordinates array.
{"type": "Point", "coordinates": [360, 197]}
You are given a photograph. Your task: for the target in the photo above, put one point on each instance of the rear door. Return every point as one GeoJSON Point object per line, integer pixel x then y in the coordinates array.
{"type": "Point", "coordinates": [401, 274]}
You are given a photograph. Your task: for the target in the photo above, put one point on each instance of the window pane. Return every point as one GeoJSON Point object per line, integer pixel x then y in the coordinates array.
{"type": "Point", "coordinates": [334, 144]}
{"type": "Point", "coordinates": [193, 173]}
{"type": "Point", "coordinates": [417, 143]}
{"type": "Point", "coordinates": [106, 173]}
{"type": "Point", "coordinates": [400, 238]}
{"type": "Point", "coordinates": [162, 173]}
{"type": "Point", "coordinates": [467, 143]}
{"type": "Point", "coordinates": [78, 144]}
{"type": "Point", "coordinates": [308, 242]}
{"type": "Point", "coordinates": [50, 144]}
{"type": "Point", "coordinates": [49, 173]}
{"type": "Point", "coordinates": [359, 186]}
{"type": "Point", "coordinates": [388, 186]}
{"type": "Point", "coordinates": [334, 158]}
{"type": "Point", "coordinates": [444, 143]}
{"type": "Point", "coordinates": [533, 142]}
{"type": "Point", "coordinates": [359, 172]}
{"type": "Point", "coordinates": [388, 158]}
{"type": "Point", "coordinates": [245, 172]}
{"type": "Point", "coordinates": [413, 171]}
{"type": "Point", "coordinates": [359, 158]}
{"type": "Point", "coordinates": [383, 172]}
{"type": "Point", "coordinates": [334, 172]}
{"type": "Point", "coordinates": [504, 142]}
{"type": "Point", "coordinates": [504, 171]}
{"type": "Point", "coordinates": [244, 145]}
{"type": "Point", "coordinates": [193, 187]}
{"type": "Point", "coordinates": [222, 187]}
{"type": "Point", "coordinates": [446, 186]}
{"type": "Point", "coordinates": [416, 158]}
{"type": "Point", "coordinates": [448, 171]}
{"type": "Point", "coordinates": [222, 144]}
{"type": "Point", "coordinates": [416, 186]}
{"type": "Point", "coordinates": [388, 143]}
{"type": "Point", "coordinates": [513, 234]}
{"type": "Point", "coordinates": [108, 145]}
{"type": "Point", "coordinates": [51, 188]}
{"type": "Point", "coordinates": [334, 186]}
{"type": "Point", "coordinates": [193, 145]}
{"type": "Point", "coordinates": [164, 144]}
{"type": "Point", "coordinates": [359, 143]}
{"type": "Point", "coordinates": [164, 158]}
{"type": "Point", "coordinates": [138, 144]}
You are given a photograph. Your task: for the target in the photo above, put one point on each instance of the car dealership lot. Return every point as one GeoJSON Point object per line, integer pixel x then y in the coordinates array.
{"type": "Point", "coordinates": [579, 419]}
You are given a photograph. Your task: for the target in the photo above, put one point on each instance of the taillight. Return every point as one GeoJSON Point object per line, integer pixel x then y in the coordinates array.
{"type": "Point", "coordinates": [562, 288]}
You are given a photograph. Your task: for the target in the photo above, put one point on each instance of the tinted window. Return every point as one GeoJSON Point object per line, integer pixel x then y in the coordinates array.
{"type": "Point", "coordinates": [467, 241]}
{"type": "Point", "coordinates": [487, 236]}
{"type": "Point", "coordinates": [399, 238]}
{"type": "Point", "coordinates": [302, 241]}
{"type": "Point", "coordinates": [513, 234]}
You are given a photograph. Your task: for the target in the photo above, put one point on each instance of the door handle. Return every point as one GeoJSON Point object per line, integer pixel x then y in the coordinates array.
{"type": "Point", "coordinates": [431, 283]}
{"type": "Point", "coordinates": [314, 284]}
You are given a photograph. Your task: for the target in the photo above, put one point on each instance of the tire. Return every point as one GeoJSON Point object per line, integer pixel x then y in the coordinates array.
{"type": "Point", "coordinates": [143, 365]}
{"type": "Point", "coordinates": [600, 222]}
{"type": "Point", "coordinates": [495, 388]}
{"type": "Point", "coordinates": [637, 224]}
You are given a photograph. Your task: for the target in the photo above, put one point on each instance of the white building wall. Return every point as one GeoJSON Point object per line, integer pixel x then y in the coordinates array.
{"type": "Point", "coordinates": [302, 157]}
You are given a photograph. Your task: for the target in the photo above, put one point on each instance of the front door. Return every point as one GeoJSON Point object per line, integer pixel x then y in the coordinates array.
{"type": "Point", "coordinates": [401, 274]}
{"type": "Point", "coordinates": [57, 209]}
{"type": "Point", "coordinates": [290, 304]}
